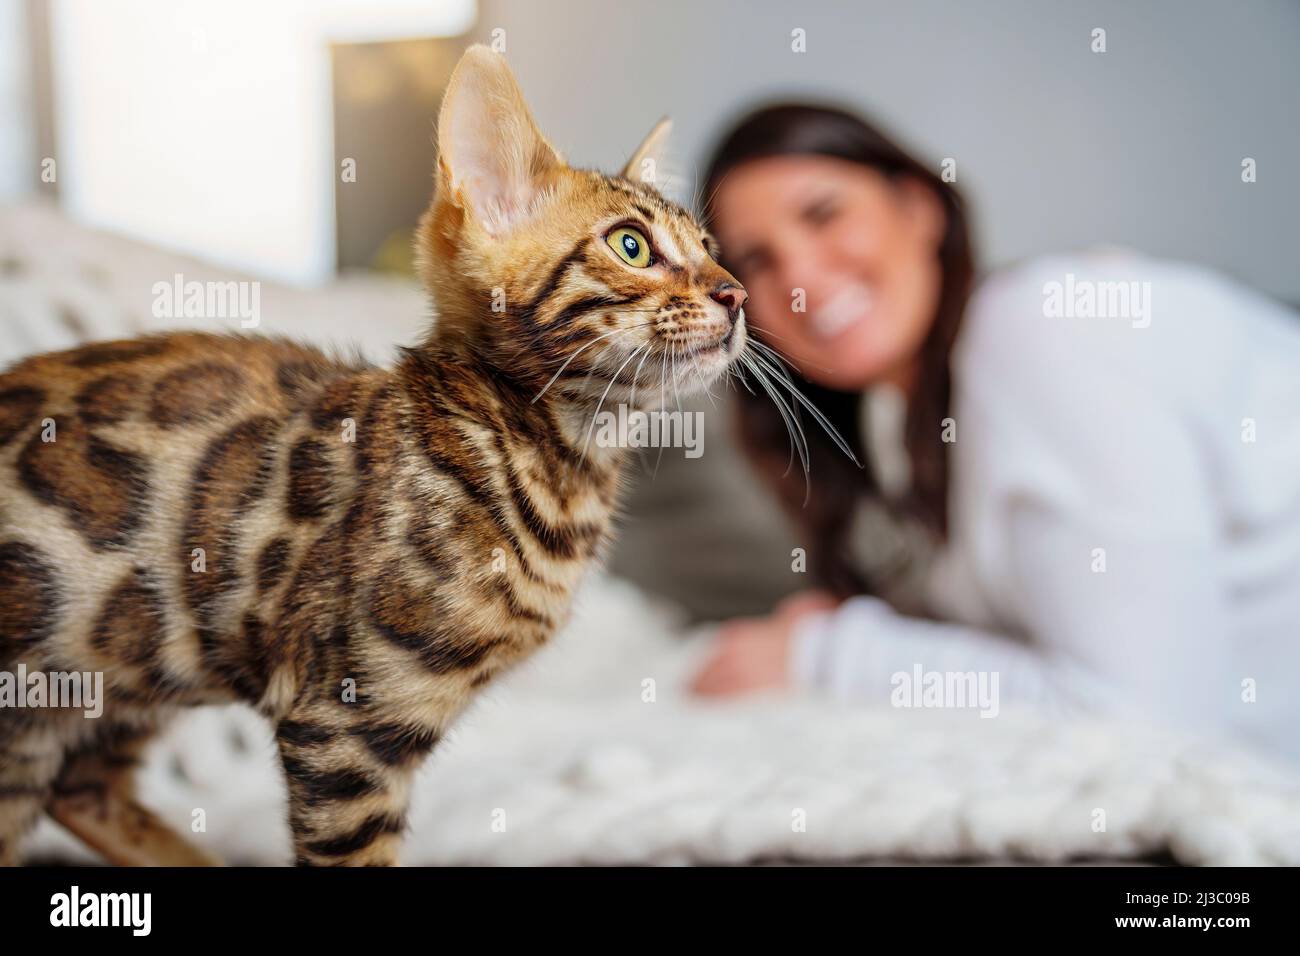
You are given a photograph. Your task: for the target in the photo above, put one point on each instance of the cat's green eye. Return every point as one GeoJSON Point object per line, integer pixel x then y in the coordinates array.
{"type": "Point", "coordinates": [632, 247]}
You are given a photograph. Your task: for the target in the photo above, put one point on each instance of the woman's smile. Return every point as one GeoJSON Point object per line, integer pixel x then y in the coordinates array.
{"type": "Point", "coordinates": [852, 305]}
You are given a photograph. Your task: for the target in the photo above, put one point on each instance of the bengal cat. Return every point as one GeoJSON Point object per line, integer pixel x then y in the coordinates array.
{"type": "Point", "coordinates": [354, 551]}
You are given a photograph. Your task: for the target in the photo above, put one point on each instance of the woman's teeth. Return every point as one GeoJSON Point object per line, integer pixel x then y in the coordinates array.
{"type": "Point", "coordinates": [846, 308]}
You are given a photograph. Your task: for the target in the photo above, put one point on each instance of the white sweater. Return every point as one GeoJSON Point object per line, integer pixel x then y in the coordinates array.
{"type": "Point", "coordinates": [1124, 508]}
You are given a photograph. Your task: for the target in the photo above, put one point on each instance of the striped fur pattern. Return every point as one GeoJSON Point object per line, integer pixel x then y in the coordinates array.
{"type": "Point", "coordinates": [354, 551]}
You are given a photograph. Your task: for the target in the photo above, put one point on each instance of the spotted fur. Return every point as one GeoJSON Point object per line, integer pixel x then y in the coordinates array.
{"type": "Point", "coordinates": [354, 551]}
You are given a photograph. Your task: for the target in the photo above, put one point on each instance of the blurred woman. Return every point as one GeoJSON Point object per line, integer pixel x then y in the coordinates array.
{"type": "Point", "coordinates": [1081, 475]}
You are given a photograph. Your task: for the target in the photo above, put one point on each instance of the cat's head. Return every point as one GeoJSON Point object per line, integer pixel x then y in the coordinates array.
{"type": "Point", "coordinates": [566, 278]}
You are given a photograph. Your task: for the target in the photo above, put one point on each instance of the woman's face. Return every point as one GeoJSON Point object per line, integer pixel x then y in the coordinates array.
{"type": "Point", "coordinates": [841, 264]}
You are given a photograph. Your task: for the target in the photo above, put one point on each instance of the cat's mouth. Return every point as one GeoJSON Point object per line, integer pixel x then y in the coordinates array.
{"type": "Point", "coordinates": [660, 365]}
{"type": "Point", "coordinates": [698, 364]}
{"type": "Point", "coordinates": [709, 348]}
{"type": "Point", "coordinates": [726, 346]}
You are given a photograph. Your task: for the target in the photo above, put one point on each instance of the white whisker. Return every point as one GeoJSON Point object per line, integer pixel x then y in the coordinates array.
{"type": "Point", "coordinates": [598, 338]}
{"type": "Point", "coordinates": [612, 380]}
{"type": "Point", "coordinates": [784, 378]}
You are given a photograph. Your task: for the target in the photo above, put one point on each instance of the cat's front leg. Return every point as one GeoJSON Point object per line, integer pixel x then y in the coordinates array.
{"type": "Point", "coordinates": [343, 813]}
{"type": "Point", "coordinates": [349, 786]}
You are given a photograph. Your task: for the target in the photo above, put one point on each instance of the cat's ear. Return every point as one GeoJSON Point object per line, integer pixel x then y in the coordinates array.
{"type": "Point", "coordinates": [643, 166]}
{"type": "Point", "coordinates": [492, 159]}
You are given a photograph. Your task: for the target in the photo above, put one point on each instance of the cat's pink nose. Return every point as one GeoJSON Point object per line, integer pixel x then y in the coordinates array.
{"type": "Point", "coordinates": [732, 297]}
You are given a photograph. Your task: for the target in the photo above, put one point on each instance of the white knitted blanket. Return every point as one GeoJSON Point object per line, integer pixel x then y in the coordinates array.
{"type": "Point", "coordinates": [576, 759]}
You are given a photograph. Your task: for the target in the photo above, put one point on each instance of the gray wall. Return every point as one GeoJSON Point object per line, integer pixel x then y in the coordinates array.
{"type": "Point", "coordinates": [18, 163]}
{"type": "Point", "coordinates": [1056, 146]}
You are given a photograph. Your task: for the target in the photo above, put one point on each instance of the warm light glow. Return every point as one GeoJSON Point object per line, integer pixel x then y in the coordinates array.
{"type": "Point", "coordinates": [207, 127]}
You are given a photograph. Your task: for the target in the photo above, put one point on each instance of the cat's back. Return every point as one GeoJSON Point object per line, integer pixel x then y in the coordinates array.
{"type": "Point", "coordinates": [92, 432]}
{"type": "Point", "coordinates": [125, 465]}
{"type": "Point", "coordinates": [170, 381]}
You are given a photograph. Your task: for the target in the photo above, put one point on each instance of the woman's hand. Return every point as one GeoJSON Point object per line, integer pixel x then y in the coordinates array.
{"type": "Point", "coordinates": [752, 653]}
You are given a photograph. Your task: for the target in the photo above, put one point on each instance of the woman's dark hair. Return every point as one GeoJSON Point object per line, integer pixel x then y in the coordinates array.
{"type": "Point", "coordinates": [837, 484]}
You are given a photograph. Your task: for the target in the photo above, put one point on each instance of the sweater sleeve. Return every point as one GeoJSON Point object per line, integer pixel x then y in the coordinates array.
{"type": "Point", "coordinates": [1086, 509]}
{"type": "Point", "coordinates": [861, 650]}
